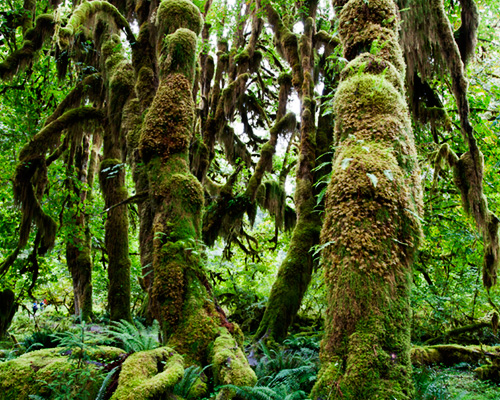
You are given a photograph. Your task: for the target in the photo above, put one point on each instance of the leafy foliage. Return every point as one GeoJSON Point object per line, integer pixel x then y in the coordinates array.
{"type": "Point", "coordinates": [133, 338]}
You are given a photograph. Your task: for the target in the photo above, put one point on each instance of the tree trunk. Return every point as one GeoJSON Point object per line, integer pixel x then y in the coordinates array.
{"type": "Point", "coordinates": [112, 178]}
{"type": "Point", "coordinates": [120, 89]}
{"type": "Point", "coordinates": [371, 228]}
{"type": "Point", "coordinates": [294, 273]}
{"type": "Point", "coordinates": [181, 296]}
{"type": "Point", "coordinates": [8, 308]}
{"type": "Point", "coordinates": [78, 251]}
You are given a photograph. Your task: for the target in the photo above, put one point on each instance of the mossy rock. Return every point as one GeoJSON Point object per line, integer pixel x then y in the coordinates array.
{"type": "Point", "coordinates": [44, 372]}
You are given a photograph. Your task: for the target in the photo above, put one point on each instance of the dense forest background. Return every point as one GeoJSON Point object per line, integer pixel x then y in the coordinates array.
{"type": "Point", "coordinates": [167, 168]}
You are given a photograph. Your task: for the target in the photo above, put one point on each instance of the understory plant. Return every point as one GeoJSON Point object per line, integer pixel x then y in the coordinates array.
{"type": "Point", "coordinates": [133, 338]}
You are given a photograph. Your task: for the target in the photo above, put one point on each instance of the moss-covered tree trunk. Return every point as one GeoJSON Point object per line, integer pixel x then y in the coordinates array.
{"type": "Point", "coordinates": [78, 252]}
{"type": "Point", "coordinates": [181, 296]}
{"type": "Point", "coordinates": [295, 271]}
{"type": "Point", "coordinates": [371, 228]}
{"type": "Point", "coordinates": [8, 307]}
{"type": "Point", "coordinates": [120, 88]}
{"type": "Point", "coordinates": [112, 178]}
{"type": "Point", "coordinates": [179, 293]}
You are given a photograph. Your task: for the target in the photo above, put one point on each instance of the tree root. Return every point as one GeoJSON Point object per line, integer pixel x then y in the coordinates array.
{"type": "Point", "coordinates": [148, 374]}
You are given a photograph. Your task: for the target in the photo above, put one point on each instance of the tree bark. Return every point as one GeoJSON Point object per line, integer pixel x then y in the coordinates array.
{"type": "Point", "coordinates": [371, 228]}
{"type": "Point", "coordinates": [119, 94]}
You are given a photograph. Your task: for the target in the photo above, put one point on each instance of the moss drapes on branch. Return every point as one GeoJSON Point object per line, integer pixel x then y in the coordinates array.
{"type": "Point", "coordinates": [30, 177]}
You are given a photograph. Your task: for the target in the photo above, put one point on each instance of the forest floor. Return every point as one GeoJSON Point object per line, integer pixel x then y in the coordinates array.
{"type": "Point", "coordinates": [284, 372]}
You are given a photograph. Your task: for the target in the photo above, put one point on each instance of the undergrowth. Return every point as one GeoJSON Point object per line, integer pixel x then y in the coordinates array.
{"type": "Point", "coordinates": [456, 383]}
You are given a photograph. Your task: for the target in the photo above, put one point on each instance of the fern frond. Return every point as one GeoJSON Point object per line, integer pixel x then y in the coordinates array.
{"type": "Point", "coordinates": [105, 383]}
{"type": "Point", "coordinates": [254, 393]}
{"type": "Point", "coordinates": [134, 338]}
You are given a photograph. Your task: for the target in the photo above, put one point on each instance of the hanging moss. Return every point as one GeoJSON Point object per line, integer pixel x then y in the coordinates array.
{"type": "Point", "coordinates": [33, 41]}
{"type": "Point", "coordinates": [85, 11]}
{"type": "Point", "coordinates": [468, 178]}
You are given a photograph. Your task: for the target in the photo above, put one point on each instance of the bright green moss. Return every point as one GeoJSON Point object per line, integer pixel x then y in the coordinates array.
{"type": "Point", "coordinates": [30, 373]}
{"type": "Point", "coordinates": [175, 14]}
{"type": "Point", "coordinates": [368, 63]}
{"type": "Point", "coordinates": [149, 375]}
{"type": "Point", "coordinates": [178, 53]}
{"type": "Point", "coordinates": [229, 362]}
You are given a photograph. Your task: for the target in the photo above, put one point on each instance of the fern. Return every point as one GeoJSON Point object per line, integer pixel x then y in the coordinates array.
{"type": "Point", "coordinates": [133, 338]}
{"type": "Point", "coordinates": [105, 383]}
{"type": "Point", "coordinates": [266, 393]}
{"type": "Point", "coordinates": [191, 375]}
{"type": "Point", "coordinates": [285, 374]}
{"type": "Point", "coordinates": [254, 393]}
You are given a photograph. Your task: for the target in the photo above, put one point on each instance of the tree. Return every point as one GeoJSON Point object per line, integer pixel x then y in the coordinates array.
{"type": "Point", "coordinates": [371, 228]}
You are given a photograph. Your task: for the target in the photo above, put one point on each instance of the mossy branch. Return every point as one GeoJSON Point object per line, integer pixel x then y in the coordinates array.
{"type": "Point", "coordinates": [90, 86]}
{"type": "Point", "coordinates": [33, 41]}
{"type": "Point", "coordinates": [87, 10]}
{"type": "Point", "coordinates": [32, 171]}
{"type": "Point", "coordinates": [49, 135]}
{"type": "Point", "coordinates": [136, 198]}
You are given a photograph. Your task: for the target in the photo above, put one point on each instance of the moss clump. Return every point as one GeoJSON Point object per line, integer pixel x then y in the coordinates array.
{"type": "Point", "coordinates": [229, 362]}
{"type": "Point", "coordinates": [357, 14]}
{"type": "Point", "coordinates": [370, 108]}
{"type": "Point", "coordinates": [30, 373]}
{"type": "Point", "coordinates": [167, 128]}
{"type": "Point", "coordinates": [149, 375]}
{"type": "Point", "coordinates": [176, 14]}
{"type": "Point", "coordinates": [372, 64]}
{"type": "Point", "coordinates": [178, 53]}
